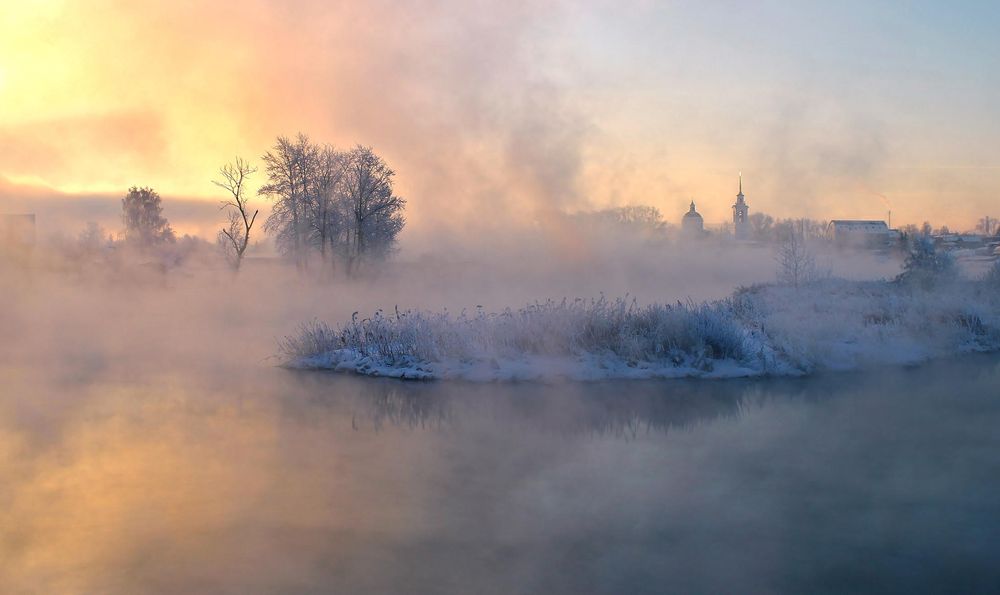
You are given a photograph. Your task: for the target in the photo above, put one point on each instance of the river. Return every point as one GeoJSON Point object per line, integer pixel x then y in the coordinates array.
{"type": "Point", "coordinates": [271, 481]}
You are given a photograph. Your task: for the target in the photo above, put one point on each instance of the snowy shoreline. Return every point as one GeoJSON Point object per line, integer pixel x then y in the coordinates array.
{"type": "Point", "coordinates": [767, 330]}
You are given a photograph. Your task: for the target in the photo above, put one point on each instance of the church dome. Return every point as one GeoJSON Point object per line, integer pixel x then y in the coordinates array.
{"type": "Point", "coordinates": [692, 223]}
{"type": "Point", "coordinates": [692, 214]}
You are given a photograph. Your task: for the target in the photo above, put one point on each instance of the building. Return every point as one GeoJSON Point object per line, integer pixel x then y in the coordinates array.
{"type": "Point", "coordinates": [741, 215]}
{"type": "Point", "coordinates": [960, 241]}
{"type": "Point", "coordinates": [692, 224]}
{"type": "Point", "coordinates": [860, 233]}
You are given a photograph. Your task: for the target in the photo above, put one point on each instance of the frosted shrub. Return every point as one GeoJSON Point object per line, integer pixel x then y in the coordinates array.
{"type": "Point", "coordinates": [926, 267]}
{"type": "Point", "coordinates": [764, 329]}
{"type": "Point", "coordinates": [565, 328]}
{"type": "Point", "coordinates": [313, 337]}
{"type": "Point", "coordinates": [706, 330]}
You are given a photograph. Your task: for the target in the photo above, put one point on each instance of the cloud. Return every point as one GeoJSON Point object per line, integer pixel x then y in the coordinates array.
{"type": "Point", "coordinates": [65, 149]}
{"type": "Point", "coordinates": [491, 112]}
{"type": "Point", "coordinates": [470, 104]}
{"type": "Point", "coordinates": [815, 150]}
{"type": "Point", "coordinates": [61, 213]}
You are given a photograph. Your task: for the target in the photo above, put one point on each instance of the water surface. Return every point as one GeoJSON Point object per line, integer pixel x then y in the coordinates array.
{"type": "Point", "coordinates": [260, 480]}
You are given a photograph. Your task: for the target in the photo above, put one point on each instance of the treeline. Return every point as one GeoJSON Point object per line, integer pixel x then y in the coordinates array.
{"type": "Point", "coordinates": [641, 221]}
{"type": "Point", "coordinates": [765, 228]}
{"type": "Point", "coordinates": [987, 226]}
{"type": "Point", "coordinates": [331, 206]}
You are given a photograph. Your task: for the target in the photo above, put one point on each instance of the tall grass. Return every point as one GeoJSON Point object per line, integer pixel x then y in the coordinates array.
{"type": "Point", "coordinates": [829, 323]}
{"type": "Point", "coordinates": [620, 327]}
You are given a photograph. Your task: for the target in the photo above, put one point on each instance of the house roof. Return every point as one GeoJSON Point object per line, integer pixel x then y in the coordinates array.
{"type": "Point", "coordinates": [849, 222]}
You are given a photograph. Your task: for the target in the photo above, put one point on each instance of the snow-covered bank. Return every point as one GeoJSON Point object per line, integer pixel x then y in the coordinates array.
{"type": "Point", "coordinates": [831, 324]}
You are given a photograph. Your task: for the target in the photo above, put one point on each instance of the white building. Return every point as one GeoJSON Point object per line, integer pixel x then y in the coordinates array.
{"type": "Point", "coordinates": [741, 215]}
{"type": "Point", "coordinates": [860, 233]}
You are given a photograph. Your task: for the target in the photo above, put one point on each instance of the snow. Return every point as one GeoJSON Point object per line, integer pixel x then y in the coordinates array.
{"type": "Point", "coordinates": [832, 324]}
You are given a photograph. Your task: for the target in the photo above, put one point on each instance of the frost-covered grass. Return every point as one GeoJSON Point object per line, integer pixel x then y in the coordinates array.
{"type": "Point", "coordinates": [771, 329]}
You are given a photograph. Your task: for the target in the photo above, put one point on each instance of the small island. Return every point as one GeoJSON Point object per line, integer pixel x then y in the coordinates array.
{"type": "Point", "coordinates": [793, 327]}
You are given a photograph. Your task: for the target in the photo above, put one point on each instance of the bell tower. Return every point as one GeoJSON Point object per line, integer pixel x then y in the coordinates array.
{"type": "Point", "coordinates": [741, 212]}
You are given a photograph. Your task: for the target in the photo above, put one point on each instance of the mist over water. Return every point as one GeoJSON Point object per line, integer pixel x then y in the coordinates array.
{"type": "Point", "coordinates": [515, 206]}
{"type": "Point", "coordinates": [149, 443]}
{"type": "Point", "coordinates": [205, 480]}
{"type": "Point", "coordinates": [60, 315]}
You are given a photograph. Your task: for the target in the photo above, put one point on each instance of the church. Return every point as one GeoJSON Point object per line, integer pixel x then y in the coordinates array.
{"type": "Point", "coordinates": [741, 215]}
{"type": "Point", "coordinates": [693, 225]}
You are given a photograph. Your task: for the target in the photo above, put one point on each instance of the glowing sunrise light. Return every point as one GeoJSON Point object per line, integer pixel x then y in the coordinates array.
{"type": "Point", "coordinates": [98, 96]}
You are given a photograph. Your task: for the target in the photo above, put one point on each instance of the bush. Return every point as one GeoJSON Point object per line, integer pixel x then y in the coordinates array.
{"type": "Point", "coordinates": [926, 267]}
{"type": "Point", "coordinates": [579, 327]}
{"type": "Point", "coordinates": [766, 329]}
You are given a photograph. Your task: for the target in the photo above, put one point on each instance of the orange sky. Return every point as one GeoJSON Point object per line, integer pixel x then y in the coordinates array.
{"type": "Point", "coordinates": [510, 109]}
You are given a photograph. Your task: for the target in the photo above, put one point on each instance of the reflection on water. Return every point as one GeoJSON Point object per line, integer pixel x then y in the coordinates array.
{"type": "Point", "coordinates": [611, 409]}
{"type": "Point", "coordinates": [623, 410]}
{"type": "Point", "coordinates": [267, 481]}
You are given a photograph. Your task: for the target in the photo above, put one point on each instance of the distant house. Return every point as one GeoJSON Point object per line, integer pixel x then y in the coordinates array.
{"type": "Point", "coordinates": [961, 241]}
{"type": "Point", "coordinates": [17, 233]}
{"type": "Point", "coordinates": [860, 233]}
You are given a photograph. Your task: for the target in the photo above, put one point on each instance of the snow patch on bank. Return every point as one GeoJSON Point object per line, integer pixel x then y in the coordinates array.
{"type": "Point", "coordinates": [764, 330]}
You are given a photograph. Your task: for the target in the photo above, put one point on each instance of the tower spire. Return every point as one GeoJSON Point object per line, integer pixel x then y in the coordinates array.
{"type": "Point", "coordinates": [740, 214]}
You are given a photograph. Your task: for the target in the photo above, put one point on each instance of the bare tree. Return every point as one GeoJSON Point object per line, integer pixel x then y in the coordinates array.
{"type": "Point", "coordinates": [235, 237]}
{"type": "Point", "coordinates": [288, 169]}
{"type": "Point", "coordinates": [796, 264]}
{"type": "Point", "coordinates": [375, 212]}
{"type": "Point", "coordinates": [142, 215]}
{"type": "Point", "coordinates": [326, 209]}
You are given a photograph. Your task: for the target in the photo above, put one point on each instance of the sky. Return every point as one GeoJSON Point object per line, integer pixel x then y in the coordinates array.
{"type": "Point", "coordinates": [498, 114]}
